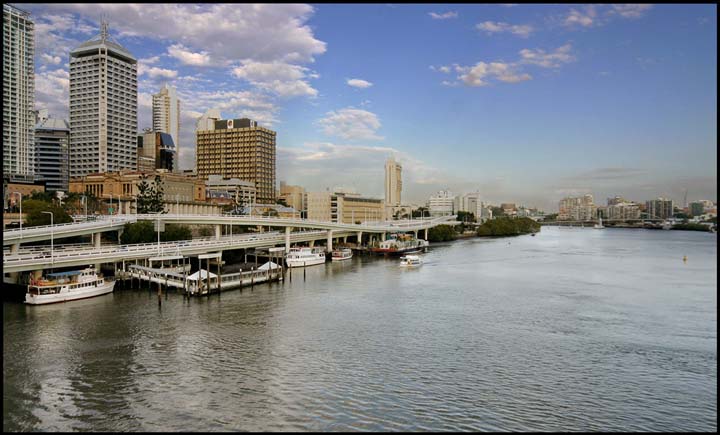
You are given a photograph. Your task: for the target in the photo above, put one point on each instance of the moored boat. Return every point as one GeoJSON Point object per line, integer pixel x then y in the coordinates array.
{"type": "Point", "coordinates": [342, 254]}
{"type": "Point", "coordinates": [400, 244]}
{"type": "Point", "coordinates": [301, 257]}
{"type": "Point", "coordinates": [68, 286]}
{"type": "Point", "coordinates": [410, 261]}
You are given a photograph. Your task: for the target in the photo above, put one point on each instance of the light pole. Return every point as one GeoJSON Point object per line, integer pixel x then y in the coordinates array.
{"type": "Point", "coordinates": [110, 201]}
{"type": "Point", "coordinates": [52, 255]}
{"type": "Point", "coordinates": [21, 218]}
{"type": "Point", "coordinates": [84, 200]}
{"type": "Point", "coordinates": [177, 205]}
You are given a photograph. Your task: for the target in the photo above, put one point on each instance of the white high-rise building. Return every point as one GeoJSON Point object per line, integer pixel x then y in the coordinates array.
{"type": "Point", "coordinates": [103, 107]}
{"type": "Point", "coordinates": [18, 92]}
{"type": "Point", "coordinates": [393, 182]}
{"type": "Point", "coordinates": [166, 114]}
{"type": "Point", "coordinates": [442, 203]}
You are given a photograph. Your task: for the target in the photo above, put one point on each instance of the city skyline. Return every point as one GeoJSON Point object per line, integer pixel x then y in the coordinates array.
{"type": "Point", "coordinates": [529, 103]}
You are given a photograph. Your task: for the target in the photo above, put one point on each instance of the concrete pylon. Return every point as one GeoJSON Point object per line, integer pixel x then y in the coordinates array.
{"type": "Point", "coordinates": [329, 240]}
{"type": "Point", "coordinates": [287, 238]}
{"type": "Point", "coordinates": [426, 232]}
{"type": "Point", "coordinates": [359, 238]}
{"type": "Point", "coordinates": [217, 231]}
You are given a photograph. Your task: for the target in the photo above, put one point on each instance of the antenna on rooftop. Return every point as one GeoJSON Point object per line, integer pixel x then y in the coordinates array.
{"type": "Point", "coordinates": [103, 28]}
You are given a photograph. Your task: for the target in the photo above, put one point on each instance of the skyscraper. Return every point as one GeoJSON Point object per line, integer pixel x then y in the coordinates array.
{"type": "Point", "coordinates": [103, 107]}
{"type": "Point", "coordinates": [237, 148]}
{"type": "Point", "coordinates": [51, 153]}
{"type": "Point", "coordinates": [393, 182]}
{"type": "Point", "coordinates": [166, 114]}
{"type": "Point", "coordinates": [18, 92]}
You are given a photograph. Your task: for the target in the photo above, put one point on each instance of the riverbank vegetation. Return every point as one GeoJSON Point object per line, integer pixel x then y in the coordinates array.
{"type": "Point", "coordinates": [442, 233]}
{"type": "Point", "coordinates": [691, 227]}
{"type": "Point", "coordinates": [505, 226]}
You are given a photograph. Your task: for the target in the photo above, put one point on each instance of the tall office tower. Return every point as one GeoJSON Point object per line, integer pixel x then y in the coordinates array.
{"type": "Point", "coordinates": [237, 148]}
{"type": "Point", "coordinates": [103, 107]}
{"type": "Point", "coordinates": [18, 92]}
{"type": "Point", "coordinates": [661, 208]}
{"type": "Point", "coordinates": [166, 114]}
{"type": "Point", "coordinates": [393, 182]}
{"type": "Point", "coordinates": [52, 137]}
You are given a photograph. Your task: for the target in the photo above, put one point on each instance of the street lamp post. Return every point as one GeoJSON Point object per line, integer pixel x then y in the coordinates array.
{"type": "Point", "coordinates": [21, 217]}
{"type": "Point", "coordinates": [111, 195]}
{"type": "Point", "coordinates": [52, 242]}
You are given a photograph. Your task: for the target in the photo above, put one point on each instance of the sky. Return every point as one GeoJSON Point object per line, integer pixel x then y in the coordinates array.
{"type": "Point", "coordinates": [521, 103]}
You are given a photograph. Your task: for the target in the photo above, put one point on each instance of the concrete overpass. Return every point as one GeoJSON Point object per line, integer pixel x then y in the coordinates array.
{"type": "Point", "coordinates": [115, 223]}
{"type": "Point", "coordinates": [84, 255]}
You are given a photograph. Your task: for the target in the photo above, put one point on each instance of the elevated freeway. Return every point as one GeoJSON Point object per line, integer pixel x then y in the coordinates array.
{"type": "Point", "coordinates": [83, 255]}
{"type": "Point", "coordinates": [115, 223]}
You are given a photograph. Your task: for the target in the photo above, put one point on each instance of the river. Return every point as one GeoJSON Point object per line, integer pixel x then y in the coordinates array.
{"type": "Point", "coordinates": [574, 329]}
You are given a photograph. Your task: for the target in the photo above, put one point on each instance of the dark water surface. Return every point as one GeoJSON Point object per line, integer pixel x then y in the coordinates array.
{"type": "Point", "coordinates": [574, 329]}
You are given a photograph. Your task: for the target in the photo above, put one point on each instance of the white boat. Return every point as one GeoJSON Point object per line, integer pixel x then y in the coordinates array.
{"type": "Point", "coordinates": [599, 225]}
{"type": "Point", "coordinates": [301, 257]}
{"type": "Point", "coordinates": [342, 254]}
{"type": "Point", "coordinates": [410, 261]}
{"type": "Point", "coordinates": [68, 286]}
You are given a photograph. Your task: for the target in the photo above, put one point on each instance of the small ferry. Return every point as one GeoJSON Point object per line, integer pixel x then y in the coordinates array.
{"type": "Point", "coordinates": [400, 244]}
{"type": "Point", "coordinates": [301, 257]}
{"type": "Point", "coordinates": [68, 286]}
{"type": "Point", "coordinates": [410, 261]}
{"type": "Point", "coordinates": [342, 254]}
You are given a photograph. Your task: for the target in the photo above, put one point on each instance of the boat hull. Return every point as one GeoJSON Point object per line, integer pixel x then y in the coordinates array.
{"type": "Point", "coordinates": [105, 288]}
{"type": "Point", "coordinates": [305, 262]}
{"type": "Point", "coordinates": [341, 258]}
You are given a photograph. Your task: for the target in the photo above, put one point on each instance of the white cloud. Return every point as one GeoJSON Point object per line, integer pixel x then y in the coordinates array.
{"type": "Point", "coordinates": [55, 60]}
{"type": "Point", "coordinates": [484, 73]}
{"type": "Point", "coordinates": [547, 60]}
{"type": "Point", "coordinates": [283, 79]}
{"type": "Point", "coordinates": [584, 19]}
{"type": "Point", "coordinates": [481, 72]}
{"type": "Point", "coordinates": [631, 10]}
{"type": "Point", "coordinates": [445, 16]}
{"type": "Point", "coordinates": [359, 83]}
{"type": "Point", "coordinates": [155, 72]}
{"type": "Point", "coordinates": [351, 124]}
{"type": "Point", "coordinates": [149, 60]}
{"type": "Point", "coordinates": [52, 89]}
{"type": "Point", "coordinates": [214, 33]}
{"type": "Point", "coordinates": [187, 57]}
{"type": "Point", "coordinates": [499, 27]}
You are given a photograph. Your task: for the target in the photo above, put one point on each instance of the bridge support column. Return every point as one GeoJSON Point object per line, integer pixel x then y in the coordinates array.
{"type": "Point", "coordinates": [312, 243]}
{"type": "Point", "coordinates": [383, 237]}
{"type": "Point", "coordinates": [359, 238]}
{"type": "Point", "coordinates": [415, 233]}
{"type": "Point", "coordinates": [287, 238]}
{"type": "Point", "coordinates": [426, 231]}
{"type": "Point", "coordinates": [329, 241]}
{"type": "Point", "coordinates": [217, 231]}
{"type": "Point", "coordinates": [14, 249]}
{"type": "Point", "coordinates": [97, 239]}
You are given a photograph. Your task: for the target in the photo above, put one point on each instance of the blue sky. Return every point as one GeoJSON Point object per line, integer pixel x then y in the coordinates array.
{"type": "Point", "coordinates": [523, 103]}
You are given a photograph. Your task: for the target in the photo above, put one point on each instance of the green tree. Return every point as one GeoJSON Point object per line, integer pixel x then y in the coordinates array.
{"type": "Point", "coordinates": [34, 215]}
{"type": "Point", "coordinates": [175, 232]}
{"type": "Point", "coordinates": [465, 216]}
{"type": "Point", "coordinates": [506, 226]}
{"type": "Point", "coordinates": [205, 231]}
{"type": "Point", "coordinates": [138, 232]}
{"type": "Point", "coordinates": [442, 233]}
{"type": "Point", "coordinates": [420, 212]}
{"type": "Point", "coordinates": [150, 198]}
{"type": "Point", "coordinates": [498, 212]}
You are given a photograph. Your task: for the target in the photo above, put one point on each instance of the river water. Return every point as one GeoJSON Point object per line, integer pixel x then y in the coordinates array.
{"type": "Point", "coordinates": [574, 329]}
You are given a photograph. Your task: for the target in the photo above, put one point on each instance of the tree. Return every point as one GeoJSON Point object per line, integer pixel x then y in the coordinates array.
{"type": "Point", "coordinates": [205, 231]}
{"type": "Point", "coordinates": [506, 226]}
{"type": "Point", "coordinates": [498, 212]}
{"type": "Point", "coordinates": [138, 232]}
{"type": "Point", "coordinates": [176, 232]}
{"type": "Point", "coordinates": [465, 216]}
{"type": "Point", "coordinates": [34, 215]}
{"type": "Point", "coordinates": [150, 198]}
{"type": "Point", "coordinates": [420, 212]}
{"type": "Point", "coordinates": [442, 233]}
